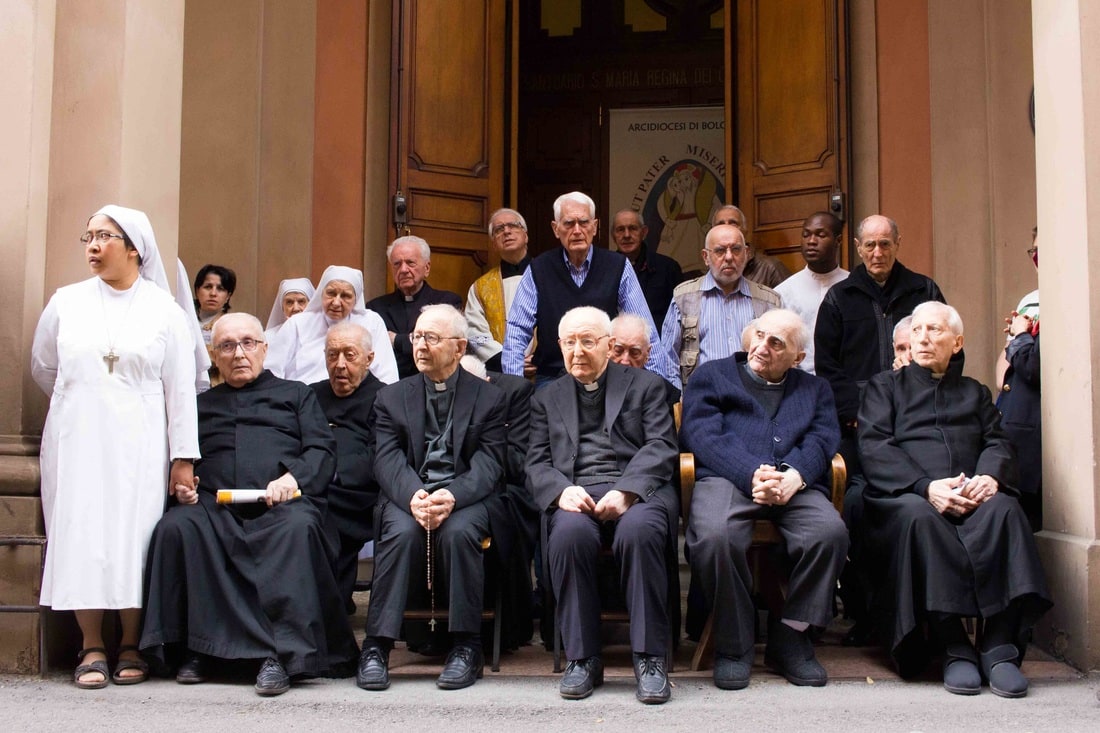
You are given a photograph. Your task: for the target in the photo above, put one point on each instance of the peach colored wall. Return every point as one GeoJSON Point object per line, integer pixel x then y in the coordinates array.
{"type": "Point", "coordinates": [247, 153]}
{"type": "Point", "coordinates": [340, 139]}
{"type": "Point", "coordinates": [904, 129]}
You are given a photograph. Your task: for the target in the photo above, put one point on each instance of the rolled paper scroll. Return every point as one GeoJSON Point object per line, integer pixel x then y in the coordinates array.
{"type": "Point", "coordinates": [246, 496]}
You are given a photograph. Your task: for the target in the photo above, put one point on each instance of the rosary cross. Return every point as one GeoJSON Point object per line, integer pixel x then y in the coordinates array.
{"type": "Point", "coordinates": [109, 359]}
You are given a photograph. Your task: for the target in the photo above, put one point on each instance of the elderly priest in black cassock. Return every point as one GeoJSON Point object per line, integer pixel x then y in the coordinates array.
{"type": "Point", "coordinates": [250, 581]}
{"type": "Point", "coordinates": [439, 456]}
{"type": "Point", "coordinates": [347, 398]}
{"type": "Point", "coordinates": [947, 534]}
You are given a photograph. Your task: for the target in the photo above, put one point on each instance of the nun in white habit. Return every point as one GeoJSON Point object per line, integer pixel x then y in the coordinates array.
{"type": "Point", "coordinates": [294, 294]}
{"type": "Point", "coordinates": [116, 355]}
{"type": "Point", "coordinates": [298, 351]}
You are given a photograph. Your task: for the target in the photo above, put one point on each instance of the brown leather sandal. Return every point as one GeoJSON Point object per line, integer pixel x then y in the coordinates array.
{"type": "Point", "coordinates": [99, 665]}
{"type": "Point", "coordinates": [124, 664]}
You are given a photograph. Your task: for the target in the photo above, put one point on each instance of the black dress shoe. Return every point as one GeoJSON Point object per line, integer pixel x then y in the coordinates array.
{"type": "Point", "coordinates": [192, 671]}
{"type": "Point", "coordinates": [580, 678]}
{"type": "Point", "coordinates": [374, 669]}
{"type": "Point", "coordinates": [653, 687]}
{"type": "Point", "coordinates": [731, 673]}
{"type": "Point", "coordinates": [463, 667]}
{"type": "Point", "coordinates": [272, 679]}
{"type": "Point", "coordinates": [791, 654]}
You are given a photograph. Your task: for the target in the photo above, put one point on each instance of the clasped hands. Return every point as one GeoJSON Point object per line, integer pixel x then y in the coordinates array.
{"type": "Point", "coordinates": [774, 487]}
{"type": "Point", "coordinates": [431, 510]}
{"type": "Point", "coordinates": [958, 495]}
{"type": "Point", "coordinates": [183, 483]}
{"type": "Point", "coordinates": [611, 505]}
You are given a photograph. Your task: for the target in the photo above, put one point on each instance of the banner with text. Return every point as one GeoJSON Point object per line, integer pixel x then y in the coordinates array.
{"type": "Point", "coordinates": [669, 164]}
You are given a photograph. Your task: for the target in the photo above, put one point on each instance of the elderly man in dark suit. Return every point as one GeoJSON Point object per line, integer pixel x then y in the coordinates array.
{"type": "Point", "coordinates": [439, 456]}
{"type": "Point", "coordinates": [601, 458]}
{"type": "Point", "coordinates": [763, 434]}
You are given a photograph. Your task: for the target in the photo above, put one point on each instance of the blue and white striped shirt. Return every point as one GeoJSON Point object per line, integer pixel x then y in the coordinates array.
{"type": "Point", "coordinates": [522, 314]}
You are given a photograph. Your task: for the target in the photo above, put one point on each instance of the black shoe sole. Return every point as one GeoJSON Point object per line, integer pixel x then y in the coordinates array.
{"type": "Point", "coordinates": [459, 684]}
{"type": "Point", "coordinates": [569, 695]}
{"type": "Point", "coordinates": [270, 691]}
{"type": "Point", "coordinates": [726, 684]}
{"type": "Point", "coordinates": [797, 681]}
{"type": "Point", "coordinates": [373, 686]}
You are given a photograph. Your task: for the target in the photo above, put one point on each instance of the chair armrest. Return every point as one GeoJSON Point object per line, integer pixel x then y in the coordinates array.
{"type": "Point", "coordinates": [839, 481]}
{"type": "Point", "coordinates": [687, 483]}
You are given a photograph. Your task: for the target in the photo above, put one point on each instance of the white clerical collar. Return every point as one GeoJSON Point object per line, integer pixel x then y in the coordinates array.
{"type": "Point", "coordinates": [591, 386]}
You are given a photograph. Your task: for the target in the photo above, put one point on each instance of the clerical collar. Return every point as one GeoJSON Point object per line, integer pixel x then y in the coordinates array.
{"type": "Point", "coordinates": [594, 386]}
{"type": "Point", "coordinates": [507, 269]}
{"type": "Point", "coordinates": [446, 384]}
{"type": "Point", "coordinates": [760, 380]}
{"type": "Point", "coordinates": [414, 296]}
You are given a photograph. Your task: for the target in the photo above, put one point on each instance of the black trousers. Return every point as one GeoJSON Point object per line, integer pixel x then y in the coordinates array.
{"type": "Point", "coordinates": [400, 569]}
{"type": "Point", "coordinates": [641, 536]}
{"type": "Point", "coordinates": [719, 535]}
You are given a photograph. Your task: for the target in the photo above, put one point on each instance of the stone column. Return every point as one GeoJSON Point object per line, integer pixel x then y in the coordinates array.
{"type": "Point", "coordinates": [93, 91]}
{"type": "Point", "coordinates": [1067, 158]}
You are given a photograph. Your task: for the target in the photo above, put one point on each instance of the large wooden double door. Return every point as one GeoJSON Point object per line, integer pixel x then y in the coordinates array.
{"type": "Point", "coordinates": [466, 140]}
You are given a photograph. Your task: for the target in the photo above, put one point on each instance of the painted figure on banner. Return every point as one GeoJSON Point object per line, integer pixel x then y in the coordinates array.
{"type": "Point", "coordinates": [684, 203]}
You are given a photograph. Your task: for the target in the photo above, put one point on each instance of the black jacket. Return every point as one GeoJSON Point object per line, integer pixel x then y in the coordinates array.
{"type": "Point", "coordinates": [854, 335]}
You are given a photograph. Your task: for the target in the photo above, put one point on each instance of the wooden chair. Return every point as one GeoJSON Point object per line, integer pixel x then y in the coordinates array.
{"type": "Point", "coordinates": [764, 535]}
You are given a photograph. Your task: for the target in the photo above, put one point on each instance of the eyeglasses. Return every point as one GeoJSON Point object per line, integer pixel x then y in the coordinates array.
{"type": "Point", "coordinates": [229, 348]}
{"type": "Point", "coordinates": [507, 226]}
{"type": "Point", "coordinates": [431, 339]}
{"type": "Point", "coordinates": [634, 351]}
{"type": "Point", "coordinates": [1032, 251]}
{"type": "Point", "coordinates": [570, 223]}
{"type": "Point", "coordinates": [102, 236]}
{"type": "Point", "coordinates": [586, 342]}
{"type": "Point", "coordinates": [721, 252]}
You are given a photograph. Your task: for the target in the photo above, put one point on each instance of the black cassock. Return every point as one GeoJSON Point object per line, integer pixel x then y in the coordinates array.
{"type": "Point", "coordinates": [913, 429]}
{"type": "Point", "coordinates": [245, 581]}
{"type": "Point", "coordinates": [353, 493]}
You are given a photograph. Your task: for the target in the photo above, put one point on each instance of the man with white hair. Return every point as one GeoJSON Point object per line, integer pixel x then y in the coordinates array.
{"type": "Point", "coordinates": [579, 274]}
{"type": "Point", "coordinates": [763, 434]}
{"type": "Point", "coordinates": [410, 261]}
{"type": "Point", "coordinates": [601, 458]}
{"type": "Point", "coordinates": [491, 295]}
{"type": "Point", "coordinates": [439, 457]}
{"type": "Point", "coordinates": [945, 529]}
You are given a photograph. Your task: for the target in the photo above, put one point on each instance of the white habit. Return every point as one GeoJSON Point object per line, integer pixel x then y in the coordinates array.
{"type": "Point", "coordinates": [109, 436]}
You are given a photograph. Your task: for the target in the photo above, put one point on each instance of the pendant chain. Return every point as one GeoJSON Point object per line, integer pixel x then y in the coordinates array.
{"type": "Point", "coordinates": [111, 357]}
{"type": "Point", "coordinates": [431, 589]}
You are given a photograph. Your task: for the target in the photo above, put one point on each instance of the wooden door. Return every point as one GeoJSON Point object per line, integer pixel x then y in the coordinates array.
{"type": "Point", "coordinates": [447, 139]}
{"type": "Point", "coordinates": [792, 131]}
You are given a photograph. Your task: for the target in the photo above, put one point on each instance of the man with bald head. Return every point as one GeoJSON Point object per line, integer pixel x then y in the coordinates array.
{"type": "Point", "coordinates": [707, 315]}
{"type": "Point", "coordinates": [763, 434]}
{"type": "Point", "coordinates": [631, 348]}
{"type": "Point", "coordinates": [760, 268]}
{"type": "Point", "coordinates": [852, 343]}
{"type": "Point", "coordinates": [347, 398]}
{"type": "Point", "coordinates": [250, 581]}
{"type": "Point", "coordinates": [658, 275]}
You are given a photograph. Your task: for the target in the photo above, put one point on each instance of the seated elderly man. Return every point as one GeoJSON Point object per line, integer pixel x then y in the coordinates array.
{"type": "Point", "coordinates": [602, 454]}
{"type": "Point", "coordinates": [347, 398]}
{"type": "Point", "coordinates": [946, 533]}
{"type": "Point", "coordinates": [439, 457]}
{"type": "Point", "coordinates": [764, 434]}
{"type": "Point", "coordinates": [631, 338]}
{"type": "Point", "coordinates": [250, 581]}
